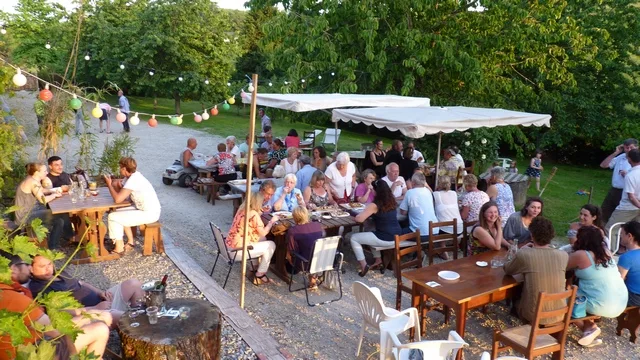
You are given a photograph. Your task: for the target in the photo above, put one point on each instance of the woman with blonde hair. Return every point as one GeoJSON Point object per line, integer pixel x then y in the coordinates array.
{"type": "Point", "coordinates": [316, 194]}
{"type": "Point", "coordinates": [302, 237]}
{"type": "Point", "coordinates": [291, 164]}
{"type": "Point", "coordinates": [256, 235]}
{"type": "Point", "coordinates": [473, 200]}
{"type": "Point", "coordinates": [446, 205]}
{"type": "Point", "coordinates": [487, 234]}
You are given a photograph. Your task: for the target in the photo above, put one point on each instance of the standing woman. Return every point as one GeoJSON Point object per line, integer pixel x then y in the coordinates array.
{"type": "Point", "coordinates": [320, 160]}
{"type": "Point", "coordinates": [535, 167]}
{"type": "Point", "coordinates": [599, 281]}
{"type": "Point", "coordinates": [256, 235]}
{"type": "Point", "coordinates": [377, 158]}
{"type": "Point", "coordinates": [501, 193]}
{"type": "Point", "coordinates": [487, 234]}
{"type": "Point", "coordinates": [384, 213]}
{"type": "Point", "coordinates": [146, 206]}
{"type": "Point", "coordinates": [517, 226]}
{"type": "Point", "coordinates": [316, 194]}
{"type": "Point", "coordinates": [342, 178]}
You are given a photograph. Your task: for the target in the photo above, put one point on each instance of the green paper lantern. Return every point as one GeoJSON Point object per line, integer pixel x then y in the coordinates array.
{"type": "Point", "coordinates": [75, 103]}
{"type": "Point", "coordinates": [226, 106]}
{"type": "Point", "coordinates": [174, 120]}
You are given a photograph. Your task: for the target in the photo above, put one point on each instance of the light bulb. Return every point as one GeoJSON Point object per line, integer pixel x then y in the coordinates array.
{"type": "Point", "coordinates": [151, 72]}
{"type": "Point", "coordinates": [180, 78]}
{"type": "Point", "coordinates": [302, 81]}
{"type": "Point", "coordinates": [319, 77]}
{"type": "Point", "coordinates": [3, 31]}
{"type": "Point", "coordinates": [121, 66]}
{"type": "Point", "coordinates": [47, 46]}
{"type": "Point", "coordinates": [251, 88]}
{"type": "Point", "coordinates": [206, 81]}
{"type": "Point", "coordinates": [270, 84]}
{"type": "Point", "coordinates": [286, 82]}
{"type": "Point", "coordinates": [333, 74]}
{"type": "Point", "coordinates": [87, 57]}
{"type": "Point", "coordinates": [228, 84]}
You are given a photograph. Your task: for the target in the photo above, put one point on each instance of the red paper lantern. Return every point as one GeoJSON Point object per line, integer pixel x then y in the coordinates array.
{"type": "Point", "coordinates": [214, 111]}
{"type": "Point", "coordinates": [46, 94]}
{"type": "Point", "coordinates": [153, 122]}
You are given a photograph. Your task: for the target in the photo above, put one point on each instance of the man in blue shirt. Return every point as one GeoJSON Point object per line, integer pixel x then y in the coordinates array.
{"type": "Point", "coordinates": [418, 203]}
{"type": "Point", "coordinates": [305, 173]}
{"type": "Point", "coordinates": [124, 108]}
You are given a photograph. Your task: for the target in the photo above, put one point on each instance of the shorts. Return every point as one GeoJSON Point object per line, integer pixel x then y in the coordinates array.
{"type": "Point", "coordinates": [118, 303]}
{"type": "Point", "coordinates": [105, 115]}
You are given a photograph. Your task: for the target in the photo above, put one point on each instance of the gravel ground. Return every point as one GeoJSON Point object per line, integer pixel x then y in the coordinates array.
{"type": "Point", "coordinates": [323, 332]}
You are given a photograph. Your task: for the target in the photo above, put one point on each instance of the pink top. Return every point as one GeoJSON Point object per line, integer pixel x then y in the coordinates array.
{"type": "Point", "coordinates": [292, 141]}
{"type": "Point", "coordinates": [361, 189]}
{"type": "Point", "coordinates": [234, 239]}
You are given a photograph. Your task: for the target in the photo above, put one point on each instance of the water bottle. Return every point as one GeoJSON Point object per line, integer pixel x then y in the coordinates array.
{"type": "Point", "coordinates": [81, 192]}
{"type": "Point", "coordinates": [73, 192]}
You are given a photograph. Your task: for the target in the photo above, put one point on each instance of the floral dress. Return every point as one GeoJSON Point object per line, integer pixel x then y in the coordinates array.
{"type": "Point", "coordinates": [504, 199]}
{"type": "Point", "coordinates": [225, 163]}
{"type": "Point", "coordinates": [531, 172]}
{"type": "Point", "coordinates": [474, 200]}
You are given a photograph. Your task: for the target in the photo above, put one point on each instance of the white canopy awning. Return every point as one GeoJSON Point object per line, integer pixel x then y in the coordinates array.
{"type": "Point", "coordinates": [417, 122]}
{"type": "Point", "coordinates": [312, 102]}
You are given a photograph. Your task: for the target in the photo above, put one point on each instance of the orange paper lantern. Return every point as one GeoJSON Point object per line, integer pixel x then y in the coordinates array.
{"type": "Point", "coordinates": [214, 111]}
{"type": "Point", "coordinates": [46, 95]}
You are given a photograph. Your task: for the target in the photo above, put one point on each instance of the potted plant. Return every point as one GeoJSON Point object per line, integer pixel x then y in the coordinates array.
{"type": "Point", "coordinates": [121, 146]}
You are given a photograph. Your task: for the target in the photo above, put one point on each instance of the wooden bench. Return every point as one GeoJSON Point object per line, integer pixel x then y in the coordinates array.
{"type": "Point", "coordinates": [630, 320]}
{"type": "Point", "coordinates": [152, 235]}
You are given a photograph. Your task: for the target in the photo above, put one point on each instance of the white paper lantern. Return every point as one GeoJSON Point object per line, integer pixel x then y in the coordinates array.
{"type": "Point", "coordinates": [135, 120]}
{"type": "Point", "coordinates": [19, 79]}
{"type": "Point", "coordinates": [205, 116]}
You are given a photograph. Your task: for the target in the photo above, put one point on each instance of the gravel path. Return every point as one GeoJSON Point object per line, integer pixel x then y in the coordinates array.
{"type": "Point", "coordinates": [323, 332]}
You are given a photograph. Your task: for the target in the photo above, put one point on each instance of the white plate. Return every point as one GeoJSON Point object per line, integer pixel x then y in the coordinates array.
{"type": "Point", "coordinates": [482, 263]}
{"type": "Point", "coordinates": [449, 275]}
{"type": "Point", "coordinates": [327, 217]}
{"type": "Point", "coordinates": [282, 213]}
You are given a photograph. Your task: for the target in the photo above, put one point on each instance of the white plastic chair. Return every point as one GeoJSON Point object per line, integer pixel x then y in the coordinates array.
{"type": "Point", "coordinates": [374, 312]}
{"type": "Point", "coordinates": [614, 241]}
{"type": "Point", "coordinates": [331, 136]}
{"type": "Point", "coordinates": [487, 356]}
{"type": "Point", "coordinates": [431, 349]}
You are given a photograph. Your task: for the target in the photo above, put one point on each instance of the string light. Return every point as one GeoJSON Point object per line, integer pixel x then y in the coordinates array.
{"type": "Point", "coordinates": [47, 46]}
{"type": "Point", "coordinates": [135, 120]}
{"type": "Point", "coordinates": [153, 122]}
{"type": "Point", "coordinates": [231, 100]}
{"type": "Point", "coordinates": [286, 82]}
{"type": "Point", "coordinates": [270, 84]}
{"type": "Point", "coordinates": [46, 95]}
{"type": "Point", "coordinates": [151, 72]}
{"type": "Point", "coordinates": [333, 74]}
{"type": "Point", "coordinates": [3, 30]}
{"type": "Point", "coordinates": [206, 82]}
{"type": "Point", "coordinates": [121, 66]}
{"type": "Point", "coordinates": [180, 78]}
{"type": "Point", "coordinates": [302, 81]}
{"type": "Point", "coordinates": [251, 88]}
{"type": "Point", "coordinates": [19, 79]}
{"type": "Point", "coordinates": [96, 112]}
{"type": "Point", "coordinates": [75, 103]}
{"type": "Point", "coordinates": [319, 77]}
{"type": "Point", "coordinates": [205, 115]}
{"type": "Point", "coordinates": [121, 117]}
{"type": "Point", "coordinates": [197, 118]}
{"type": "Point", "coordinates": [173, 120]}
{"type": "Point", "coordinates": [87, 57]}
{"type": "Point", "coordinates": [214, 111]}
{"type": "Point", "coordinates": [226, 106]}
{"type": "Point", "coordinates": [228, 84]}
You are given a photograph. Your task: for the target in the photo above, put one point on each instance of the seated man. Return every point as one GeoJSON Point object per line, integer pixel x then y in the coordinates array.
{"type": "Point", "coordinates": [418, 205]}
{"type": "Point", "coordinates": [118, 297]}
{"type": "Point", "coordinates": [17, 299]}
{"type": "Point", "coordinates": [187, 154]}
{"type": "Point", "coordinates": [395, 181]}
{"type": "Point", "coordinates": [56, 172]}
{"type": "Point", "coordinates": [267, 189]}
{"type": "Point", "coordinates": [244, 147]}
{"type": "Point", "coordinates": [268, 142]}
{"type": "Point", "coordinates": [543, 269]}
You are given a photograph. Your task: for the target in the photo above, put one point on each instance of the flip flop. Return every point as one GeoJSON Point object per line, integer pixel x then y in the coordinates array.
{"type": "Point", "coordinates": [264, 279]}
{"type": "Point", "coordinates": [128, 247]}
{"type": "Point", "coordinates": [121, 253]}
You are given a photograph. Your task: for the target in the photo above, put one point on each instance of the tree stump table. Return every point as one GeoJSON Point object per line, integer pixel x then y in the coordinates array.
{"type": "Point", "coordinates": [197, 337]}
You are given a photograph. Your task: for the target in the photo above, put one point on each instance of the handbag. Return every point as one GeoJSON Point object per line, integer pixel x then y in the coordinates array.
{"type": "Point", "coordinates": [579, 307]}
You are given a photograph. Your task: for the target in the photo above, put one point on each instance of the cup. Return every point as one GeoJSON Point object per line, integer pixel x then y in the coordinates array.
{"type": "Point", "coordinates": [497, 262]}
{"type": "Point", "coordinates": [93, 185]}
{"type": "Point", "coordinates": [74, 196]}
{"type": "Point", "coordinates": [152, 313]}
{"type": "Point", "coordinates": [94, 194]}
{"type": "Point", "coordinates": [184, 312]}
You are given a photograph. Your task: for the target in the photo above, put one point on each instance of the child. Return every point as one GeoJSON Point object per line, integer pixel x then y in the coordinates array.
{"type": "Point", "coordinates": [535, 167]}
{"type": "Point", "coordinates": [513, 167]}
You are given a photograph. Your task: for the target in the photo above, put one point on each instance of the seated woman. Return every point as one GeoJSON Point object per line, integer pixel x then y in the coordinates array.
{"type": "Point", "coordinates": [501, 193]}
{"type": "Point", "coordinates": [598, 280]}
{"type": "Point", "coordinates": [287, 197]}
{"type": "Point", "coordinates": [517, 226]}
{"type": "Point", "coordinates": [316, 194]}
{"type": "Point", "coordinates": [291, 164]}
{"type": "Point", "coordinates": [226, 164]}
{"type": "Point", "coordinates": [364, 192]}
{"type": "Point", "coordinates": [145, 209]}
{"type": "Point", "coordinates": [487, 234]}
{"type": "Point", "coordinates": [31, 200]}
{"type": "Point", "coordinates": [446, 205]}
{"type": "Point", "coordinates": [320, 160]}
{"type": "Point", "coordinates": [629, 262]}
{"type": "Point", "coordinates": [302, 238]}
{"type": "Point", "coordinates": [292, 139]}
{"type": "Point", "coordinates": [473, 199]}
{"type": "Point", "coordinates": [384, 213]}
{"type": "Point", "coordinates": [256, 235]}
{"type": "Point", "coordinates": [341, 177]}
{"type": "Point", "coordinates": [590, 215]}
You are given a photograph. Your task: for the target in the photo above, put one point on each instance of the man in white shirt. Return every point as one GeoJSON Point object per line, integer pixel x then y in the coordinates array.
{"type": "Point", "coordinates": [618, 162]}
{"type": "Point", "coordinates": [232, 147]}
{"type": "Point", "coordinates": [395, 181]}
{"type": "Point", "coordinates": [418, 204]}
{"type": "Point", "coordinates": [629, 207]}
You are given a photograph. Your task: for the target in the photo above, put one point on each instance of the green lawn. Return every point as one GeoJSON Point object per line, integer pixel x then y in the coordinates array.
{"type": "Point", "coordinates": [236, 121]}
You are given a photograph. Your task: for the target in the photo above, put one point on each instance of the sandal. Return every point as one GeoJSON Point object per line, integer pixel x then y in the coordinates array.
{"type": "Point", "coordinates": [364, 271]}
{"type": "Point", "coordinates": [128, 247]}
{"type": "Point", "coordinates": [121, 253]}
{"type": "Point", "coordinates": [264, 279]}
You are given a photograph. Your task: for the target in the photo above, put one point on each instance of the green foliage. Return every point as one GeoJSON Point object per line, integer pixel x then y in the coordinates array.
{"type": "Point", "coordinates": [121, 146]}
{"type": "Point", "coordinates": [44, 351]}
{"type": "Point", "coordinates": [12, 323]}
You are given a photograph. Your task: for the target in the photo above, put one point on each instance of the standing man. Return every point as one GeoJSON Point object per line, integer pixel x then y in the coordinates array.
{"type": "Point", "coordinates": [417, 155]}
{"type": "Point", "coordinates": [124, 108]}
{"type": "Point", "coordinates": [618, 162]}
{"type": "Point", "coordinates": [395, 154]}
{"type": "Point", "coordinates": [629, 207]}
{"type": "Point", "coordinates": [264, 120]}
{"type": "Point", "coordinates": [56, 172]}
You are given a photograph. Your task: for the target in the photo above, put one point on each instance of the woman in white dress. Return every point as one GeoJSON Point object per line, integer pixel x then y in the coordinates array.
{"type": "Point", "coordinates": [446, 205]}
{"type": "Point", "coordinates": [291, 164]}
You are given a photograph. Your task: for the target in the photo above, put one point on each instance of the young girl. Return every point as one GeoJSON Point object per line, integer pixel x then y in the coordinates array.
{"type": "Point", "coordinates": [513, 167]}
{"type": "Point", "coordinates": [535, 167]}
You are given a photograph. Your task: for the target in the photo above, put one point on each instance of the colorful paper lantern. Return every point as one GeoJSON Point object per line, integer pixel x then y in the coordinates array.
{"type": "Point", "coordinates": [45, 94]}
{"type": "Point", "coordinates": [180, 120]}
{"type": "Point", "coordinates": [226, 106]}
{"type": "Point", "coordinates": [135, 120]}
{"type": "Point", "coordinates": [231, 100]}
{"type": "Point", "coordinates": [250, 88]}
{"type": "Point", "coordinates": [173, 120]}
{"type": "Point", "coordinates": [153, 122]}
{"type": "Point", "coordinates": [197, 118]}
{"type": "Point", "coordinates": [205, 116]}
{"type": "Point", "coordinates": [75, 103]}
{"type": "Point", "coordinates": [96, 112]}
{"type": "Point", "coordinates": [19, 79]}
{"type": "Point", "coordinates": [121, 117]}
{"type": "Point", "coordinates": [214, 111]}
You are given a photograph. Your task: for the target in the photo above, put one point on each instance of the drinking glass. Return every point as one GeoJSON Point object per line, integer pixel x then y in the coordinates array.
{"type": "Point", "coordinates": [74, 195]}
{"type": "Point", "coordinates": [184, 312]}
{"type": "Point", "coordinates": [87, 194]}
{"type": "Point", "coordinates": [497, 262]}
{"type": "Point", "coordinates": [93, 185]}
{"type": "Point", "coordinates": [95, 193]}
{"type": "Point", "coordinates": [152, 313]}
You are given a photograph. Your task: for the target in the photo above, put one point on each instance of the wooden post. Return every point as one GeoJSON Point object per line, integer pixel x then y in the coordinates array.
{"type": "Point", "coordinates": [438, 160]}
{"type": "Point", "coordinates": [590, 194]}
{"type": "Point", "coordinates": [252, 129]}
{"type": "Point", "coordinates": [335, 147]}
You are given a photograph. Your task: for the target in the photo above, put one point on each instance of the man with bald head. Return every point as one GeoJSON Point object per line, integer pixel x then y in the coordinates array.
{"type": "Point", "coordinates": [187, 154]}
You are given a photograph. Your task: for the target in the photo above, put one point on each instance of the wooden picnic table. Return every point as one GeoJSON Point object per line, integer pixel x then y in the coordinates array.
{"type": "Point", "coordinates": [330, 226]}
{"type": "Point", "coordinates": [476, 287]}
{"type": "Point", "coordinates": [92, 209]}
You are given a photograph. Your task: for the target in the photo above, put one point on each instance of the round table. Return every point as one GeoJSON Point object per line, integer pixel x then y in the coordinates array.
{"type": "Point", "coordinates": [197, 337]}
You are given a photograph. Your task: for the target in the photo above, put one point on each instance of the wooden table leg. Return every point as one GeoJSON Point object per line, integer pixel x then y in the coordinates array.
{"type": "Point", "coordinates": [95, 236]}
{"type": "Point", "coordinates": [461, 320]}
{"type": "Point", "coordinates": [415, 302]}
{"type": "Point", "coordinates": [279, 267]}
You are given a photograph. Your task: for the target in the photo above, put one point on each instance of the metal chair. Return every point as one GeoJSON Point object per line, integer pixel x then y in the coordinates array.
{"type": "Point", "coordinates": [534, 340]}
{"type": "Point", "coordinates": [229, 255]}
{"type": "Point", "coordinates": [325, 257]}
{"type": "Point", "coordinates": [431, 349]}
{"type": "Point", "coordinates": [369, 301]}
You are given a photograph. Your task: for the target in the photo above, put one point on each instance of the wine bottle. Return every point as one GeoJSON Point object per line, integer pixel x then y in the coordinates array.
{"type": "Point", "coordinates": [163, 282]}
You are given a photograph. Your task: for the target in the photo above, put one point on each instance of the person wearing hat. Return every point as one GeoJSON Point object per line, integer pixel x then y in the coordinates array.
{"type": "Point", "coordinates": [305, 173]}
{"type": "Point", "coordinates": [449, 167]}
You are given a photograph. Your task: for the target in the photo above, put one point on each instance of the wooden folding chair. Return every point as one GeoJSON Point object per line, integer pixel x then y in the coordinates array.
{"type": "Point", "coordinates": [442, 239]}
{"type": "Point", "coordinates": [534, 340]}
{"type": "Point", "coordinates": [466, 237]}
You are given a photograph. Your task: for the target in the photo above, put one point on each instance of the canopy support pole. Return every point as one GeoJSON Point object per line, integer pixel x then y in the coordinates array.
{"type": "Point", "coordinates": [335, 148]}
{"type": "Point", "coordinates": [247, 199]}
{"type": "Point", "coordinates": [438, 160]}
